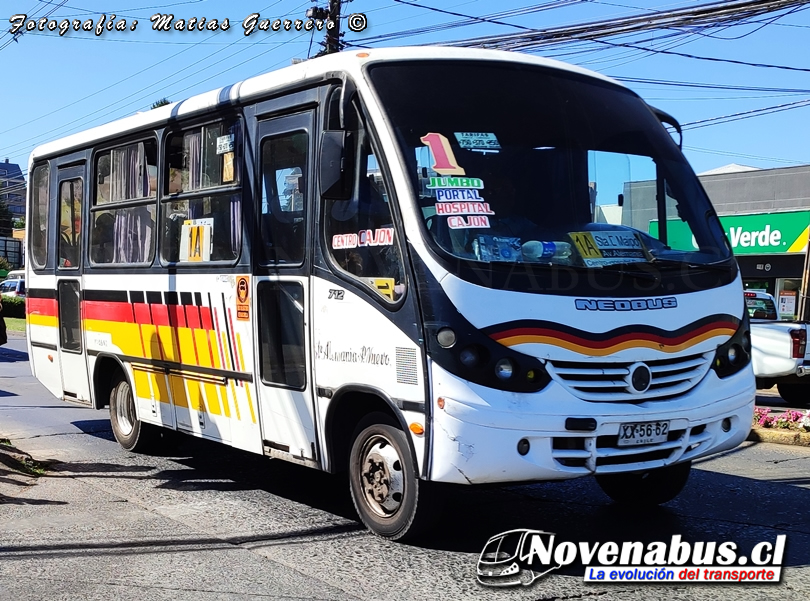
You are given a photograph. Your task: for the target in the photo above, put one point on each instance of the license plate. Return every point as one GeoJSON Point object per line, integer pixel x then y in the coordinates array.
{"type": "Point", "coordinates": [643, 433]}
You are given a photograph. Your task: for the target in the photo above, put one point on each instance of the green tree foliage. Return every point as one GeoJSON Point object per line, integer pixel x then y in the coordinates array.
{"type": "Point", "coordinates": [161, 102]}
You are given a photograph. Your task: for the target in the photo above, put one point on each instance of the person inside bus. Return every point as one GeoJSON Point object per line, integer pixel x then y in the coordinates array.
{"type": "Point", "coordinates": [103, 238]}
{"type": "Point", "coordinates": [70, 244]}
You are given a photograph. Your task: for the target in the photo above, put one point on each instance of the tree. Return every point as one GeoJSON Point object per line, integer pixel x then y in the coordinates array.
{"type": "Point", "coordinates": [161, 102]}
{"type": "Point", "coordinates": [19, 224]}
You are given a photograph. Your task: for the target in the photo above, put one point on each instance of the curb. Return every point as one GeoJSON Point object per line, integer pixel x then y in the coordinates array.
{"type": "Point", "coordinates": [21, 462]}
{"type": "Point", "coordinates": [779, 436]}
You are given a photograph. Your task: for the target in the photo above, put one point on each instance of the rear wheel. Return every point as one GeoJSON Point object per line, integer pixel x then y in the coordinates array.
{"type": "Point", "coordinates": [130, 432]}
{"type": "Point", "coordinates": [387, 494]}
{"type": "Point", "coordinates": [652, 487]}
{"type": "Point", "coordinates": [795, 394]}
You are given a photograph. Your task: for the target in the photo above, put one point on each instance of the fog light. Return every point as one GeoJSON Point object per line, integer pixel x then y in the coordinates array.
{"type": "Point", "coordinates": [523, 446]}
{"type": "Point", "coordinates": [726, 424]}
{"type": "Point", "coordinates": [446, 337]}
{"type": "Point", "coordinates": [504, 369]}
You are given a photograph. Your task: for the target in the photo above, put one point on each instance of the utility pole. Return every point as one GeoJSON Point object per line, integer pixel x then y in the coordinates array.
{"type": "Point", "coordinates": [804, 291]}
{"type": "Point", "coordinates": [333, 35]}
{"type": "Point", "coordinates": [332, 41]}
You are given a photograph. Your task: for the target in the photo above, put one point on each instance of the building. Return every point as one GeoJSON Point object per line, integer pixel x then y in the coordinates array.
{"type": "Point", "coordinates": [765, 214]}
{"type": "Point", "coordinates": [12, 189]}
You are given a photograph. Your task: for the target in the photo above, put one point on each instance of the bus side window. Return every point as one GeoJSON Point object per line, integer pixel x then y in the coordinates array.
{"type": "Point", "coordinates": [281, 326]}
{"type": "Point", "coordinates": [202, 167]}
{"type": "Point", "coordinates": [284, 191]}
{"type": "Point", "coordinates": [70, 223]}
{"type": "Point", "coordinates": [360, 233]}
{"type": "Point", "coordinates": [40, 207]}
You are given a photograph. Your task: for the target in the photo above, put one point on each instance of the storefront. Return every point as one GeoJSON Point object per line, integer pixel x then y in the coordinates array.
{"type": "Point", "coordinates": [769, 247]}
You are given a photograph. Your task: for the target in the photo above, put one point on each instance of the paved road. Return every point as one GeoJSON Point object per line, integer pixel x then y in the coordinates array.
{"type": "Point", "coordinates": [206, 522]}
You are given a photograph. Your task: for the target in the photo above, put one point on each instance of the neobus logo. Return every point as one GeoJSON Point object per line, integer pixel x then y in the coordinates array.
{"type": "Point", "coordinates": [638, 304]}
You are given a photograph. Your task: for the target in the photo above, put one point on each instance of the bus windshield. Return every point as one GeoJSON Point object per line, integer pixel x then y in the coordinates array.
{"type": "Point", "coordinates": [521, 164]}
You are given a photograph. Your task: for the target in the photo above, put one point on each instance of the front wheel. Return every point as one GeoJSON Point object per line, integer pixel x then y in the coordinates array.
{"type": "Point", "coordinates": [387, 494]}
{"type": "Point", "coordinates": [795, 394]}
{"type": "Point", "coordinates": [130, 432]}
{"type": "Point", "coordinates": [652, 487]}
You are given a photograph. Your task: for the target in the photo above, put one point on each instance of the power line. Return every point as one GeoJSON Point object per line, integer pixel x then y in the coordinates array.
{"type": "Point", "coordinates": [745, 114]}
{"type": "Point", "coordinates": [705, 58]}
{"type": "Point", "coordinates": [130, 76]}
{"type": "Point", "coordinates": [743, 155]}
{"type": "Point", "coordinates": [705, 16]}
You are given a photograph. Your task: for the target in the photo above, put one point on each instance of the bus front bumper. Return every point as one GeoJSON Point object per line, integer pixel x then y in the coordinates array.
{"type": "Point", "coordinates": [476, 436]}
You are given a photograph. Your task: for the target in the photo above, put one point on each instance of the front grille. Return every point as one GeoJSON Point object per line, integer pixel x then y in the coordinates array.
{"type": "Point", "coordinates": [602, 454]}
{"type": "Point", "coordinates": [610, 381]}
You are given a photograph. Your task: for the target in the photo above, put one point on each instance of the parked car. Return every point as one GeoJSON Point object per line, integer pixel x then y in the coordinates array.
{"type": "Point", "coordinates": [13, 287]}
{"type": "Point", "coordinates": [778, 350]}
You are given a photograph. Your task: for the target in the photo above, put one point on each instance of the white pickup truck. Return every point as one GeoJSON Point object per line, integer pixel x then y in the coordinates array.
{"type": "Point", "coordinates": [779, 350]}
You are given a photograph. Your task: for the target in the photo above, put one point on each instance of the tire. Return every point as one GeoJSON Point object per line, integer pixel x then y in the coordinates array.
{"type": "Point", "coordinates": [132, 434]}
{"type": "Point", "coordinates": [387, 494]}
{"type": "Point", "coordinates": [795, 394]}
{"type": "Point", "coordinates": [644, 489]}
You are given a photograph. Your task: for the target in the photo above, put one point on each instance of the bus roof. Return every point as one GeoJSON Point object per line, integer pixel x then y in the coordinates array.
{"type": "Point", "coordinates": [255, 87]}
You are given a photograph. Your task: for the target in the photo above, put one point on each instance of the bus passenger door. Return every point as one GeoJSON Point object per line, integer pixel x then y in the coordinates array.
{"type": "Point", "coordinates": [72, 351]}
{"type": "Point", "coordinates": [283, 208]}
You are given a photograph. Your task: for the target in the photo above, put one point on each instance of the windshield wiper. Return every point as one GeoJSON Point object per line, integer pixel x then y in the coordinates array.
{"type": "Point", "coordinates": [621, 268]}
{"type": "Point", "coordinates": [665, 263]}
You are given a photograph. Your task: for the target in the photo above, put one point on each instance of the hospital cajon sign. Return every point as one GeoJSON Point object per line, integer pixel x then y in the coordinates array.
{"type": "Point", "coordinates": [763, 233]}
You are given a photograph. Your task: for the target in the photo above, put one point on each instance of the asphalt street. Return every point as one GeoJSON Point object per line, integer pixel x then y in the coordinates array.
{"type": "Point", "coordinates": [203, 521]}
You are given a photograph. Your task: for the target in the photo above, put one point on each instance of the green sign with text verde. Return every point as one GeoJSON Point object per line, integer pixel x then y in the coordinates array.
{"type": "Point", "coordinates": [749, 234]}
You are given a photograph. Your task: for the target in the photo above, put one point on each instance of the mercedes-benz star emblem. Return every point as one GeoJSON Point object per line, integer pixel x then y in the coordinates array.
{"type": "Point", "coordinates": [640, 377]}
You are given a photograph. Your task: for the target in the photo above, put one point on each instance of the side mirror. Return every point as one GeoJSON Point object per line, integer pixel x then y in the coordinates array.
{"type": "Point", "coordinates": [668, 119]}
{"type": "Point", "coordinates": [337, 164]}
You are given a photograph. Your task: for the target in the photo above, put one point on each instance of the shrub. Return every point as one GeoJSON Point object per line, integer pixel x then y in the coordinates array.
{"type": "Point", "coordinates": [13, 306]}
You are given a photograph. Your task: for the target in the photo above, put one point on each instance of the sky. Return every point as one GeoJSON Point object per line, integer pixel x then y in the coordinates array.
{"type": "Point", "coordinates": [58, 85]}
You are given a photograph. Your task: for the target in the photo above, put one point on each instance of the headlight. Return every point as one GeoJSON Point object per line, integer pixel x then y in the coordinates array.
{"type": "Point", "coordinates": [469, 357]}
{"type": "Point", "coordinates": [513, 569]}
{"type": "Point", "coordinates": [504, 369]}
{"type": "Point", "coordinates": [734, 354]}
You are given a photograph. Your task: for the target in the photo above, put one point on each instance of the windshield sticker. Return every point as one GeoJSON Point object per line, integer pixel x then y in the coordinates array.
{"type": "Point", "coordinates": [455, 182]}
{"type": "Point", "coordinates": [456, 194]}
{"type": "Point", "coordinates": [444, 161]}
{"type": "Point", "coordinates": [224, 144]}
{"type": "Point", "coordinates": [478, 142]}
{"type": "Point", "coordinates": [608, 248]}
{"type": "Point", "coordinates": [497, 248]}
{"type": "Point", "coordinates": [455, 222]}
{"type": "Point", "coordinates": [381, 237]}
{"type": "Point", "coordinates": [463, 208]}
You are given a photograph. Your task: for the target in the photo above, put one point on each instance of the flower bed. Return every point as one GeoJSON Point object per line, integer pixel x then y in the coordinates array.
{"type": "Point", "coordinates": [788, 420]}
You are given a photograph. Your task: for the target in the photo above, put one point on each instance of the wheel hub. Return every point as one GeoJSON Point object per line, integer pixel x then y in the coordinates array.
{"type": "Point", "coordinates": [381, 477]}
